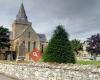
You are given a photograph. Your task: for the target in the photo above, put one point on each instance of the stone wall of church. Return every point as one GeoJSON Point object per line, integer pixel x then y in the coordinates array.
{"type": "Point", "coordinates": [45, 71]}
{"type": "Point", "coordinates": [17, 28]}
{"type": "Point", "coordinates": [24, 32]}
{"type": "Point", "coordinates": [33, 38]}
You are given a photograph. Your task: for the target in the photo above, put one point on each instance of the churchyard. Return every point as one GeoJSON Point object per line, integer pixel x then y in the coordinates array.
{"type": "Point", "coordinates": [57, 62]}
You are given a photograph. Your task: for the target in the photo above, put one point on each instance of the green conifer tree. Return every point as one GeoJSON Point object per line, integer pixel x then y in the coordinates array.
{"type": "Point", "coordinates": [59, 48]}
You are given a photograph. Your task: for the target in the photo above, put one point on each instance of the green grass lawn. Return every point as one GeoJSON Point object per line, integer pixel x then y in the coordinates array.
{"type": "Point", "coordinates": [97, 63]}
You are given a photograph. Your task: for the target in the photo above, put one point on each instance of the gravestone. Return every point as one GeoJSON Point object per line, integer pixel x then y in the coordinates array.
{"type": "Point", "coordinates": [21, 52]}
{"type": "Point", "coordinates": [9, 57]}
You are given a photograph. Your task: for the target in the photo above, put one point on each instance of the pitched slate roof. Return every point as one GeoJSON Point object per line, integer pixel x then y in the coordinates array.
{"type": "Point", "coordinates": [42, 37]}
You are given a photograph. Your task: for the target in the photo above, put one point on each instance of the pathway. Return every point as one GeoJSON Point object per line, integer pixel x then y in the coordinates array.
{"type": "Point", "coordinates": [3, 77]}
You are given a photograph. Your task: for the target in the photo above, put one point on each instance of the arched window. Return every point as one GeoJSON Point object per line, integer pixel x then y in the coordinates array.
{"type": "Point", "coordinates": [34, 44]}
{"type": "Point", "coordinates": [42, 48]}
{"type": "Point", "coordinates": [28, 46]}
{"type": "Point", "coordinates": [29, 35]}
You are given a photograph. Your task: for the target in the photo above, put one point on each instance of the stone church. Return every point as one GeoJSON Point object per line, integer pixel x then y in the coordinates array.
{"type": "Point", "coordinates": [23, 36]}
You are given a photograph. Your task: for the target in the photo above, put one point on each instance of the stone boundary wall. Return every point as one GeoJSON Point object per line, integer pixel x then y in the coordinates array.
{"type": "Point", "coordinates": [49, 71]}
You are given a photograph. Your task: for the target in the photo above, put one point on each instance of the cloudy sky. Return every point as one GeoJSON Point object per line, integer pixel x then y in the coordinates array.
{"type": "Point", "coordinates": [81, 18]}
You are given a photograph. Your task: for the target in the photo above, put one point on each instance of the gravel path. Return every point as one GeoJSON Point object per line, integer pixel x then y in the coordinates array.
{"type": "Point", "coordinates": [3, 77]}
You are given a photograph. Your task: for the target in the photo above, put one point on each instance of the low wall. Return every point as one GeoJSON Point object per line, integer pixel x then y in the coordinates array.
{"type": "Point", "coordinates": [45, 71]}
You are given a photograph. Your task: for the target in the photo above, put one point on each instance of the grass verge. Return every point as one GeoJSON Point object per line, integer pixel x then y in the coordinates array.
{"type": "Point", "coordinates": [97, 63]}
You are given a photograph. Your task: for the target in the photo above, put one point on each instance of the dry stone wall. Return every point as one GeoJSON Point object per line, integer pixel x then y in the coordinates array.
{"type": "Point", "coordinates": [46, 71]}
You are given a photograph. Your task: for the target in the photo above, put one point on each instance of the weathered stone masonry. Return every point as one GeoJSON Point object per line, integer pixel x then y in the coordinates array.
{"type": "Point", "coordinates": [45, 71]}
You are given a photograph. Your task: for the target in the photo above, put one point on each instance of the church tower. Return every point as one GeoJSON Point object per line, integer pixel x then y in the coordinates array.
{"type": "Point", "coordinates": [20, 23]}
{"type": "Point", "coordinates": [22, 31]}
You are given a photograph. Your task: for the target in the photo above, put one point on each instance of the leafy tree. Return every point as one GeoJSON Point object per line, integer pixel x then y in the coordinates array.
{"type": "Point", "coordinates": [76, 45]}
{"type": "Point", "coordinates": [94, 45]}
{"type": "Point", "coordinates": [4, 38]}
{"type": "Point", "coordinates": [59, 48]}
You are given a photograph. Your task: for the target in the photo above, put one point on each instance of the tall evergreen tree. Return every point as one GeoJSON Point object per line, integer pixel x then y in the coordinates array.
{"type": "Point", "coordinates": [59, 48]}
{"type": "Point", "coordinates": [4, 38]}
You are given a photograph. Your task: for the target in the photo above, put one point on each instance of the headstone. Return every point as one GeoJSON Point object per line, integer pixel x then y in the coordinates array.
{"type": "Point", "coordinates": [9, 57]}
{"type": "Point", "coordinates": [21, 52]}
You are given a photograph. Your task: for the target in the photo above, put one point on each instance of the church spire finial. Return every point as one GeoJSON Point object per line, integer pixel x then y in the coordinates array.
{"type": "Point", "coordinates": [22, 1]}
{"type": "Point", "coordinates": [21, 14]}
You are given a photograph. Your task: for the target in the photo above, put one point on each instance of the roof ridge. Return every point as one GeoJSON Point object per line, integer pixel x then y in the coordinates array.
{"type": "Point", "coordinates": [21, 33]}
